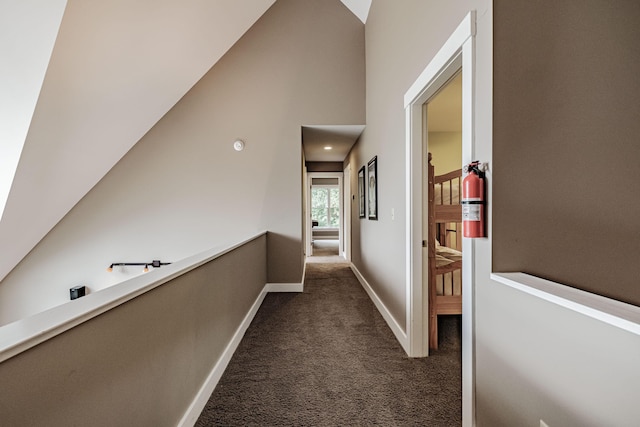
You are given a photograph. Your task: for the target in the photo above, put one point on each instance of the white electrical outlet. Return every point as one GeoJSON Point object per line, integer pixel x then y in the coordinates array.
{"type": "Point", "coordinates": [543, 424]}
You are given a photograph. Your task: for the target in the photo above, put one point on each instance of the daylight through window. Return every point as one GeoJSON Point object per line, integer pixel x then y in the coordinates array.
{"type": "Point", "coordinates": [325, 206]}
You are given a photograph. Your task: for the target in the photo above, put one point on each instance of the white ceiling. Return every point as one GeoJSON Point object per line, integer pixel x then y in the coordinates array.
{"type": "Point", "coordinates": [20, 83]}
{"type": "Point", "coordinates": [360, 8]}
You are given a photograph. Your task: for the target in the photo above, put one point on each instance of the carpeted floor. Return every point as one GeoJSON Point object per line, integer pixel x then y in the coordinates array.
{"type": "Point", "coordinates": [326, 357]}
{"type": "Point", "coordinates": [325, 248]}
{"type": "Point", "coordinates": [326, 252]}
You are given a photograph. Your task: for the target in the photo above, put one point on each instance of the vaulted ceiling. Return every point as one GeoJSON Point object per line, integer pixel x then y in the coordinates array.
{"type": "Point", "coordinates": [86, 81]}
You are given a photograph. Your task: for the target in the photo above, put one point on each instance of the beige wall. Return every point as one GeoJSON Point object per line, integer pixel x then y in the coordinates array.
{"type": "Point", "coordinates": [141, 363]}
{"type": "Point", "coordinates": [533, 359]}
{"type": "Point", "coordinates": [324, 166]}
{"type": "Point", "coordinates": [564, 110]}
{"type": "Point", "coordinates": [537, 360]}
{"type": "Point", "coordinates": [446, 149]}
{"type": "Point", "coordinates": [401, 39]}
{"type": "Point", "coordinates": [592, 364]}
{"type": "Point", "coordinates": [566, 143]}
{"type": "Point", "coordinates": [183, 189]}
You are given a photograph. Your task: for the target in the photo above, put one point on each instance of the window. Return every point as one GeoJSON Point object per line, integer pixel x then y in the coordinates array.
{"type": "Point", "coordinates": [325, 206]}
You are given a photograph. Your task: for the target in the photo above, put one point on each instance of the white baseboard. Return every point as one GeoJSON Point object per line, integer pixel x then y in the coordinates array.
{"type": "Point", "coordinates": [284, 287]}
{"type": "Point", "coordinates": [397, 330]}
{"type": "Point", "coordinates": [202, 397]}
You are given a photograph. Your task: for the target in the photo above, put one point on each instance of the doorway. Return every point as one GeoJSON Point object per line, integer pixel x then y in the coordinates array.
{"type": "Point", "coordinates": [457, 53]}
{"type": "Point", "coordinates": [442, 213]}
{"type": "Point", "coordinates": [325, 217]}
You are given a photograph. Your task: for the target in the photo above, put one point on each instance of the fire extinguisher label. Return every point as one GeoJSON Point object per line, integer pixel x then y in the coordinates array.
{"type": "Point", "coordinates": [471, 209]}
{"type": "Point", "coordinates": [471, 212]}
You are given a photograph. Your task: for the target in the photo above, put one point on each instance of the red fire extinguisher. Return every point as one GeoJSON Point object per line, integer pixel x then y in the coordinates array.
{"type": "Point", "coordinates": [473, 200]}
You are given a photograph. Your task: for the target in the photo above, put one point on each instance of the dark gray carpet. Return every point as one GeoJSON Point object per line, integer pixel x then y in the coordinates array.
{"type": "Point", "coordinates": [326, 357]}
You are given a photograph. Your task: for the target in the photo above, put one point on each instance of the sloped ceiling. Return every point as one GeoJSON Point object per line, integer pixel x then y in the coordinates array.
{"type": "Point", "coordinates": [360, 8]}
{"type": "Point", "coordinates": [116, 68]}
{"type": "Point", "coordinates": [27, 36]}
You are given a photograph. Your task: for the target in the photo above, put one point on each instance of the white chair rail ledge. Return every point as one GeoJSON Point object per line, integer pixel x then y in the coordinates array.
{"type": "Point", "coordinates": [616, 313]}
{"type": "Point", "coordinates": [23, 334]}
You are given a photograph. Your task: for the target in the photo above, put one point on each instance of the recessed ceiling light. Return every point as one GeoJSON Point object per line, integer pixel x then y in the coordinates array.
{"type": "Point", "coordinates": [328, 147]}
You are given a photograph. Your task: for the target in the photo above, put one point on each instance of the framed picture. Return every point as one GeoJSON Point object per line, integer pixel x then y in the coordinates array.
{"type": "Point", "coordinates": [372, 188]}
{"type": "Point", "coordinates": [362, 188]}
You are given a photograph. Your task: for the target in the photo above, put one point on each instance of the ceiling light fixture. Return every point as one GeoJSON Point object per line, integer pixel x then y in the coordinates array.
{"type": "Point", "coordinates": [238, 145]}
{"type": "Point", "coordinates": [328, 147]}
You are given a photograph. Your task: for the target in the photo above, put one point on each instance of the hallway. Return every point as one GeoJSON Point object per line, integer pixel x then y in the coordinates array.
{"type": "Point", "coordinates": [326, 357]}
{"type": "Point", "coordinates": [326, 252]}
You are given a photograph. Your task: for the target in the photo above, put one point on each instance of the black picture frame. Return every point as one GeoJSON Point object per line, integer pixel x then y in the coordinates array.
{"type": "Point", "coordinates": [372, 188]}
{"type": "Point", "coordinates": [362, 191]}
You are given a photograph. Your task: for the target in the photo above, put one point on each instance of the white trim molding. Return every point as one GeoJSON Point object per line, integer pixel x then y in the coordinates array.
{"type": "Point", "coordinates": [308, 220]}
{"type": "Point", "coordinates": [202, 397]}
{"type": "Point", "coordinates": [284, 287]}
{"type": "Point", "coordinates": [457, 53]}
{"type": "Point", "coordinates": [447, 53]}
{"type": "Point", "coordinates": [615, 313]}
{"type": "Point", "coordinates": [23, 334]}
{"type": "Point", "coordinates": [397, 330]}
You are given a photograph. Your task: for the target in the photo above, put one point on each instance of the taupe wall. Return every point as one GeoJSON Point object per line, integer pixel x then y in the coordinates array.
{"type": "Point", "coordinates": [183, 189]}
{"type": "Point", "coordinates": [141, 363]}
{"type": "Point", "coordinates": [446, 149]}
{"type": "Point", "coordinates": [324, 166]}
{"type": "Point", "coordinates": [535, 359]}
{"type": "Point", "coordinates": [401, 39]}
{"type": "Point", "coordinates": [566, 148]}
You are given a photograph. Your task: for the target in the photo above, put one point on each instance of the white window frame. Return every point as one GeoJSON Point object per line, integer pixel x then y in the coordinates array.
{"type": "Point", "coordinates": [310, 176]}
{"type": "Point", "coordinates": [330, 187]}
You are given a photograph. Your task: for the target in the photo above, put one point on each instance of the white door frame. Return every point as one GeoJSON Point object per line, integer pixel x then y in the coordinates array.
{"type": "Point", "coordinates": [310, 176]}
{"type": "Point", "coordinates": [346, 213]}
{"type": "Point", "coordinates": [458, 52]}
